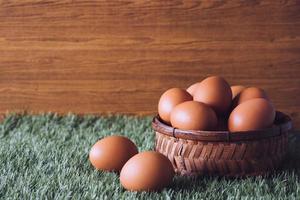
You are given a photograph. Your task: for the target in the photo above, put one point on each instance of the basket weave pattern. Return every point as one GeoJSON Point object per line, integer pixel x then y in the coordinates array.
{"type": "Point", "coordinates": [223, 153]}
{"type": "Point", "coordinates": [229, 159]}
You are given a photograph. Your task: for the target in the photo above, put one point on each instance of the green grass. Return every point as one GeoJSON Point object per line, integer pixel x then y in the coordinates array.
{"type": "Point", "coordinates": [46, 157]}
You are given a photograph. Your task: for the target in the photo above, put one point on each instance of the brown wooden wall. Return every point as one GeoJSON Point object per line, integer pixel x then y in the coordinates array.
{"type": "Point", "coordinates": [119, 56]}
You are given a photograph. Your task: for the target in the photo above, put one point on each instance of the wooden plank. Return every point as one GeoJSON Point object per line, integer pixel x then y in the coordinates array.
{"type": "Point", "coordinates": [119, 56]}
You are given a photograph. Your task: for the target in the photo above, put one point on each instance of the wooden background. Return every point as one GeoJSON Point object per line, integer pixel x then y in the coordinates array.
{"type": "Point", "coordinates": [119, 56]}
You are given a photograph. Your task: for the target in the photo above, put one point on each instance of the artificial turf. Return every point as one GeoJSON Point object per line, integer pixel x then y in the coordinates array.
{"type": "Point", "coordinates": [46, 157]}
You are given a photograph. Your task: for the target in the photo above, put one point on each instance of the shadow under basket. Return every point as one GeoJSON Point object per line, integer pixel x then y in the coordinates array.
{"type": "Point", "coordinates": [222, 153]}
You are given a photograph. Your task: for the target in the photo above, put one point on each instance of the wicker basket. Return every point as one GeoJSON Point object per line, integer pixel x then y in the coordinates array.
{"type": "Point", "coordinates": [223, 153]}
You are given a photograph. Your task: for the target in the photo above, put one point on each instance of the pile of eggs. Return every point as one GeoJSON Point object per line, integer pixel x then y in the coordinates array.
{"type": "Point", "coordinates": [208, 105]}
{"type": "Point", "coordinates": [213, 105]}
{"type": "Point", "coordinates": [145, 171]}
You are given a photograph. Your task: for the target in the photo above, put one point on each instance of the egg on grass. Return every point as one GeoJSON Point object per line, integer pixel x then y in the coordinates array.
{"type": "Point", "coordinates": [147, 171]}
{"type": "Point", "coordinates": [112, 152]}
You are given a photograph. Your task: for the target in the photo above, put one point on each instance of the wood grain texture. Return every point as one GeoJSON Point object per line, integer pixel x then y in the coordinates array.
{"type": "Point", "coordinates": [119, 56]}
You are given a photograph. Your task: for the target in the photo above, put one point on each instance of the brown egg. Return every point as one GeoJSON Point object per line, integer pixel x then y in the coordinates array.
{"type": "Point", "coordinates": [236, 89]}
{"type": "Point", "coordinates": [169, 100]}
{"type": "Point", "coordinates": [112, 152]}
{"type": "Point", "coordinates": [251, 93]}
{"type": "Point", "coordinates": [147, 171]}
{"type": "Point", "coordinates": [254, 114]}
{"type": "Point", "coordinates": [192, 88]}
{"type": "Point", "coordinates": [193, 115]}
{"type": "Point", "coordinates": [215, 92]}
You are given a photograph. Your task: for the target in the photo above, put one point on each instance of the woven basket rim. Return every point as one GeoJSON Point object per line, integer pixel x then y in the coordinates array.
{"type": "Point", "coordinates": [282, 124]}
